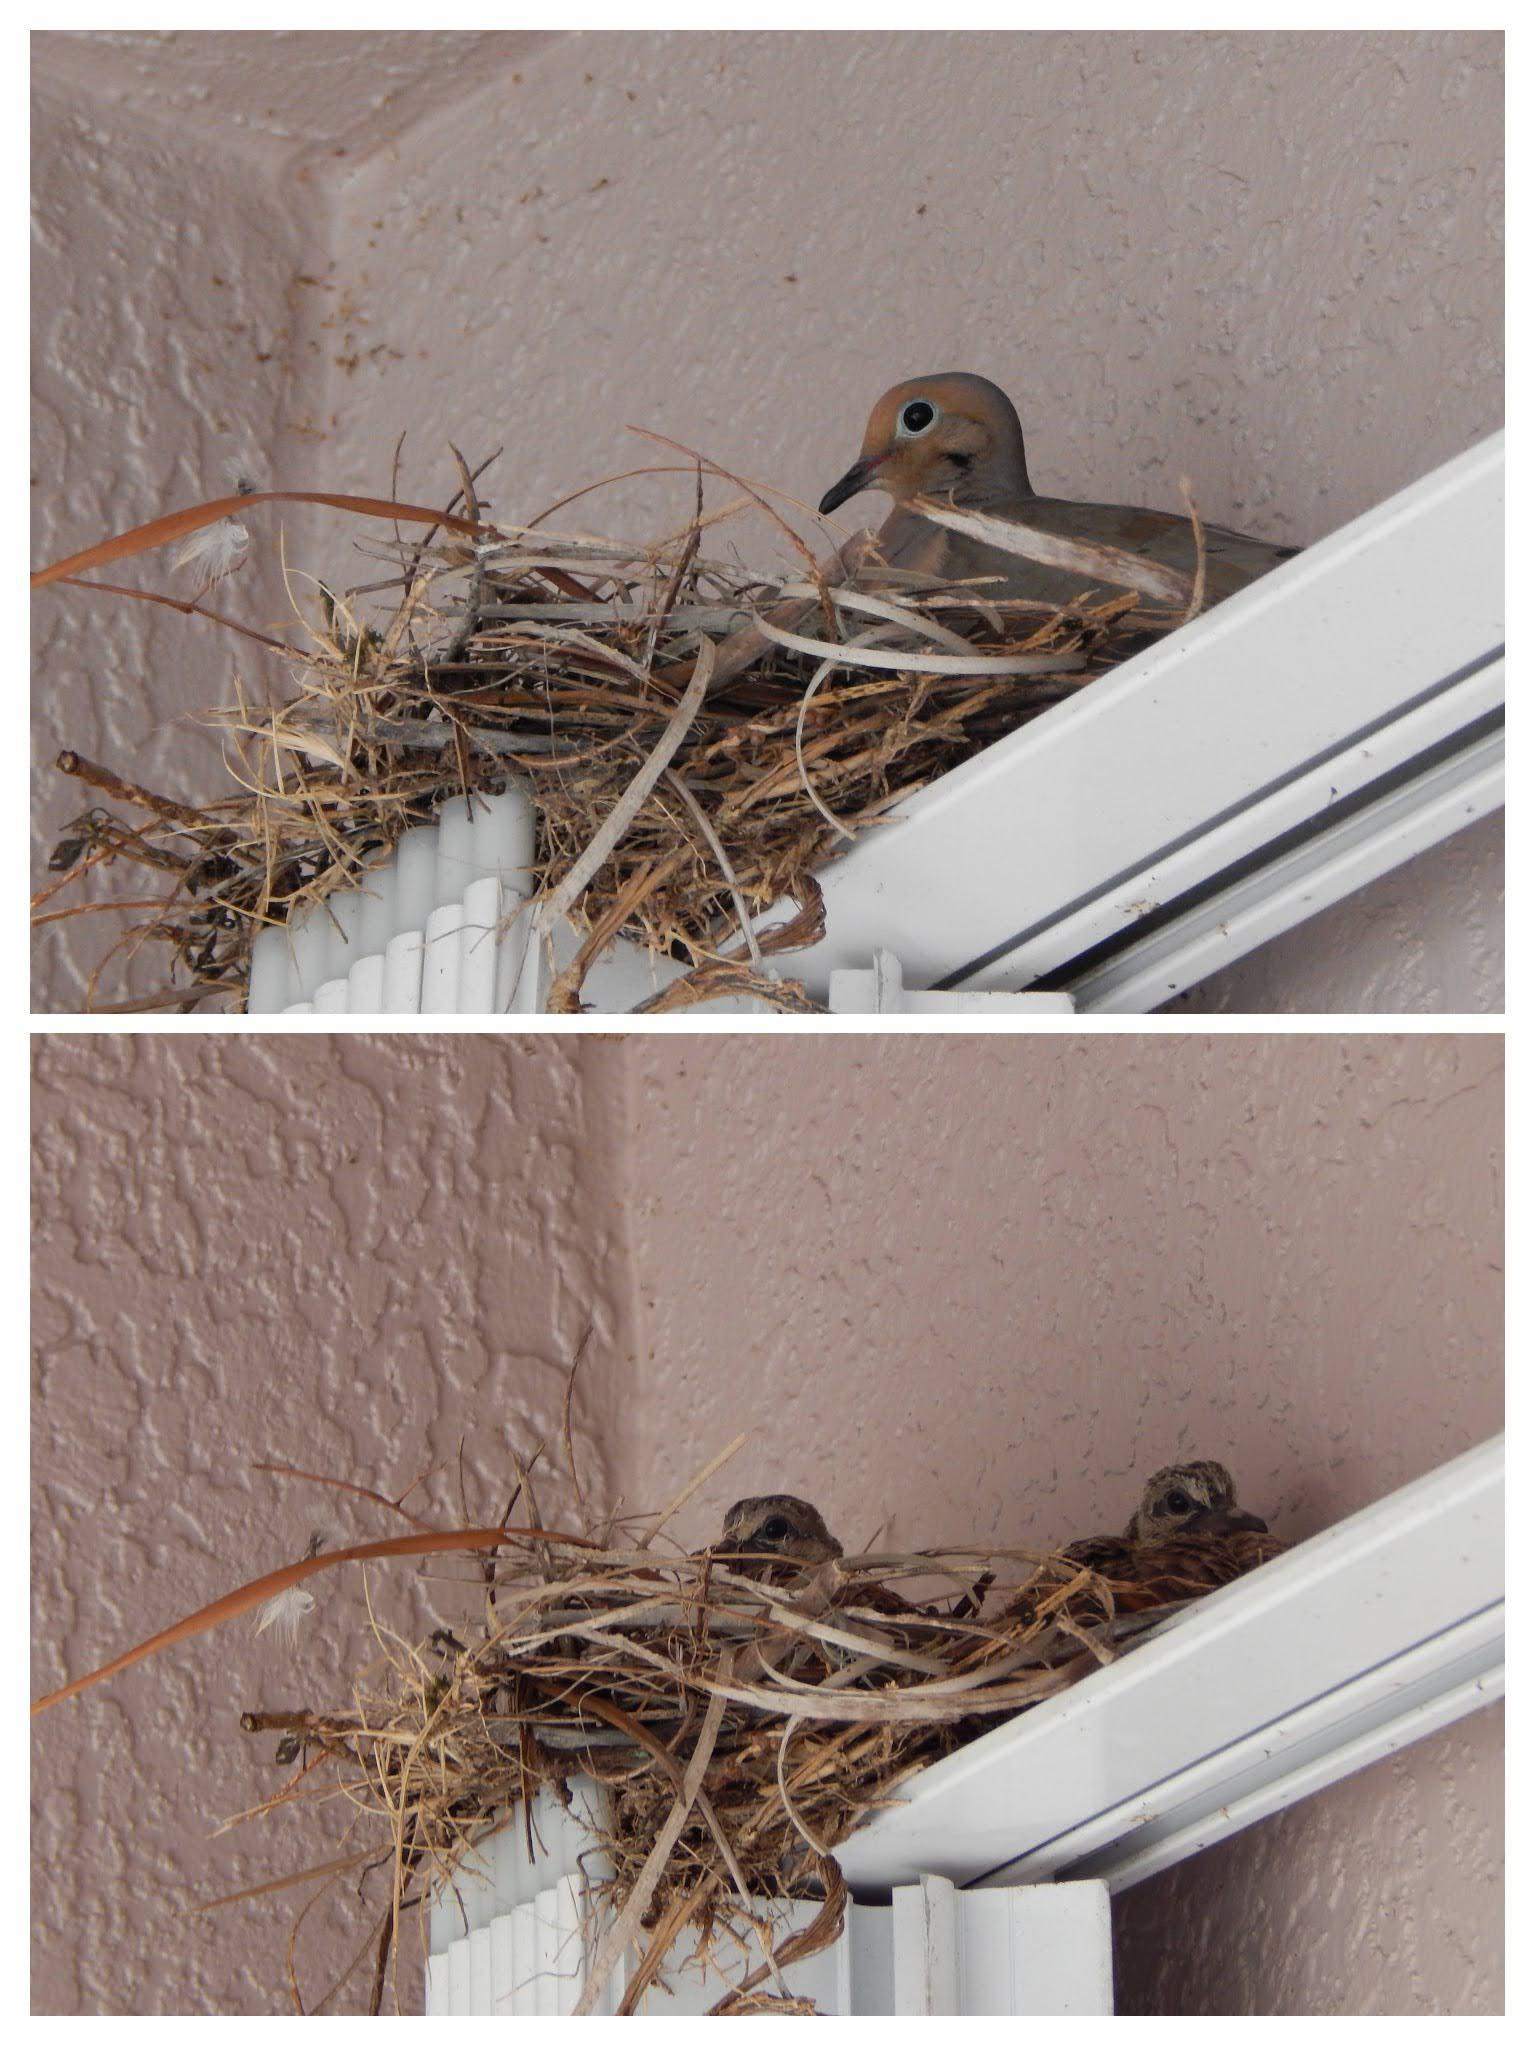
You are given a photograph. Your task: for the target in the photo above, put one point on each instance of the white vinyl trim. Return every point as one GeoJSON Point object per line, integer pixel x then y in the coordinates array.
{"type": "Point", "coordinates": [1292, 885]}
{"type": "Point", "coordinates": [1365, 1638]}
{"type": "Point", "coordinates": [881, 990]}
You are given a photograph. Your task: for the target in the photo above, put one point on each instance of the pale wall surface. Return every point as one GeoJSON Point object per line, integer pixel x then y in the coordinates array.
{"type": "Point", "coordinates": [1382, 1898]}
{"type": "Point", "coordinates": [164, 297]}
{"type": "Point", "coordinates": [1248, 258]}
{"type": "Point", "coordinates": [353, 1256]}
{"type": "Point", "coordinates": [954, 1287]}
{"type": "Point", "coordinates": [1203, 253]}
{"type": "Point", "coordinates": [1013, 1273]}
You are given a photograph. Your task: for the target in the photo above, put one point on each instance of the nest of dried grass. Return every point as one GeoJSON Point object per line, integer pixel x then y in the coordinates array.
{"type": "Point", "coordinates": [697, 740]}
{"type": "Point", "coordinates": [726, 1719]}
{"type": "Point", "coordinates": [741, 1727]}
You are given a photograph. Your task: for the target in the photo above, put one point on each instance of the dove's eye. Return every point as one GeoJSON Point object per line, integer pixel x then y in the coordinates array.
{"type": "Point", "coordinates": [1179, 1502]}
{"type": "Point", "coordinates": [918, 416]}
{"type": "Point", "coordinates": [775, 1529]}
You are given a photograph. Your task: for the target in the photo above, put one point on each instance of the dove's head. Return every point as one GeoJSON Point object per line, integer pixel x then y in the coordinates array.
{"type": "Point", "coordinates": [1190, 1498]}
{"type": "Point", "coordinates": [955, 437]}
{"type": "Point", "coordinates": [778, 1524]}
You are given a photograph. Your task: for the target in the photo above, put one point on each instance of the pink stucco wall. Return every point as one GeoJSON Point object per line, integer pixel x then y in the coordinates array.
{"type": "Point", "coordinates": [951, 1286]}
{"type": "Point", "coordinates": [360, 1257]}
{"type": "Point", "coordinates": [1249, 258]}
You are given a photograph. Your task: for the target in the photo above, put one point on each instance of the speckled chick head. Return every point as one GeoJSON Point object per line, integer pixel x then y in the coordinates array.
{"type": "Point", "coordinates": [776, 1523]}
{"type": "Point", "coordinates": [954, 436]}
{"type": "Point", "coordinates": [1190, 1498]}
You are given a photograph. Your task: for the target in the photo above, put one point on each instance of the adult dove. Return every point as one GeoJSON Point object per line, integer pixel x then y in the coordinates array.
{"type": "Point", "coordinates": [956, 438]}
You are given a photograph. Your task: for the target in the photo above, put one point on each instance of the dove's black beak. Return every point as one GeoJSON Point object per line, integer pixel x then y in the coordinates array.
{"type": "Point", "coordinates": [1220, 1521]}
{"type": "Point", "coordinates": [856, 479]}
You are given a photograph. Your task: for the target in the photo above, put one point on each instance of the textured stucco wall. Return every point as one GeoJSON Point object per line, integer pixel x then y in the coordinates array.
{"type": "Point", "coordinates": [279, 97]}
{"type": "Point", "coordinates": [1202, 253]}
{"type": "Point", "coordinates": [350, 1256]}
{"type": "Point", "coordinates": [970, 1288]}
{"type": "Point", "coordinates": [1382, 1897]}
{"type": "Point", "coordinates": [164, 297]}
{"type": "Point", "coordinates": [952, 1287]}
{"type": "Point", "coordinates": [185, 329]}
{"type": "Point", "coordinates": [1245, 257]}
{"type": "Point", "coordinates": [1049, 1263]}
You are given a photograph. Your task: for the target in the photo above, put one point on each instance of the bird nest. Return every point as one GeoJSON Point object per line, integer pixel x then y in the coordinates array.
{"type": "Point", "coordinates": [739, 1729]}
{"type": "Point", "coordinates": [721, 1720]}
{"type": "Point", "coordinates": [696, 740]}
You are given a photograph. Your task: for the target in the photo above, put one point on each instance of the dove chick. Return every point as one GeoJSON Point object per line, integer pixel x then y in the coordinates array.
{"type": "Point", "coordinates": [776, 1536]}
{"type": "Point", "coordinates": [774, 1533]}
{"type": "Point", "coordinates": [1187, 1535]}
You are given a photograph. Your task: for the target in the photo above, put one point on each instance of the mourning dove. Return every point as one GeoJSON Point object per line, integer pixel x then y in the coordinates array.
{"type": "Point", "coordinates": [1181, 1497]}
{"type": "Point", "coordinates": [1186, 1536]}
{"type": "Point", "coordinates": [956, 439]}
{"type": "Point", "coordinates": [773, 1536]}
{"type": "Point", "coordinates": [758, 1532]}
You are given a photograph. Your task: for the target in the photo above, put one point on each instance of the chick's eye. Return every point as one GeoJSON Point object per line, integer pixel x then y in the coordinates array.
{"type": "Point", "coordinates": [1179, 1502]}
{"type": "Point", "coordinates": [775, 1529]}
{"type": "Point", "coordinates": [918, 416]}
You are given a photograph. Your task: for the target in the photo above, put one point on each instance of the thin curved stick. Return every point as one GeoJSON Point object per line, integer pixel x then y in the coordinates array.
{"type": "Point", "coordinates": [717, 469]}
{"type": "Point", "coordinates": [260, 1589]}
{"type": "Point", "coordinates": [1197, 594]}
{"type": "Point", "coordinates": [628, 1920]}
{"type": "Point", "coordinates": [857, 656]}
{"type": "Point", "coordinates": [192, 610]}
{"type": "Point", "coordinates": [177, 524]}
{"type": "Point", "coordinates": [712, 839]}
{"type": "Point", "coordinates": [816, 680]}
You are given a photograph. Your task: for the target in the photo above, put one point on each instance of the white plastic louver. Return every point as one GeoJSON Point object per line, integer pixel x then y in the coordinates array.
{"type": "Point", "coordinates": [432, 931]}
{"type": "Point", "coordinates": [514, 1935]}
{"type": "Point", "coordinates": [444, 927]}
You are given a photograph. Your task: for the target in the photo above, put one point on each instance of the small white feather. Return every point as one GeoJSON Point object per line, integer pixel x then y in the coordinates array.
{"type": "Point", "coordinates": [215, 551]}
{"type": "Point", "coordinates": [286, 1612]}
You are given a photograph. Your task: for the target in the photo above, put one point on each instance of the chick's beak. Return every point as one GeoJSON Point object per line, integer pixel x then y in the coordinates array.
{"type": "Point", "coordinates": [1223, 1521]}
{"type": "Point", "coordinates": [856, 479]}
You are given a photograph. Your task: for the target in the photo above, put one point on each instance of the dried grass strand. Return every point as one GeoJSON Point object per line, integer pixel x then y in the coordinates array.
{"type": "Point", "coordinates": [627, 1922]}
